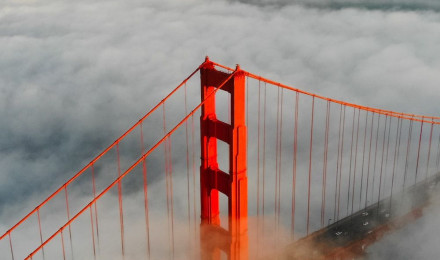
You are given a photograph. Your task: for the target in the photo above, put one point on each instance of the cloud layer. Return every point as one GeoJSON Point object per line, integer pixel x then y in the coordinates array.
{"type": "Point", "coordinates": [427, 5]}
{"type": "Point", "coordinates": [75, 75]}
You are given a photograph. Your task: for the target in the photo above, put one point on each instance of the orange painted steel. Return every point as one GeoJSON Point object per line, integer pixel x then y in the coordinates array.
{"type": "Point", "coordinates": [212, 180]}
{"type": "Point", "coordinates": [141, 159]}
{"type": "Point", "coordinates": [100, 155]}
{"type": "Point", "coordinates": [412, 117]}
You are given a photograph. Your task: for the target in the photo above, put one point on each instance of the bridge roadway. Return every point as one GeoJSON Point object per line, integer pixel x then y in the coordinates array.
{"type": "Point", "coordinates": [348, 237]}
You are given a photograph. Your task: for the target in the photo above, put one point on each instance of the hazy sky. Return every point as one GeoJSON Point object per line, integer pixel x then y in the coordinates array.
{"type": "Point", "coordinates": [75, 74]}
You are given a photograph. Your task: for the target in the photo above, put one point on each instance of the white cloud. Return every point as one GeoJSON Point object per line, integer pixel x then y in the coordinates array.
{"type": "Point", "coordinates": [70, 70]}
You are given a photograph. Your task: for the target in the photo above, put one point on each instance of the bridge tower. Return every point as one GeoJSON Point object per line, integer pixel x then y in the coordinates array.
{"type": "Point", "coordinates": [214, 239]}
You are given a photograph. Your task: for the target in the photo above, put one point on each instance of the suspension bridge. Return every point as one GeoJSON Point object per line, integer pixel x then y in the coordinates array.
{"type": "Point", "coordinates": [251, 170]}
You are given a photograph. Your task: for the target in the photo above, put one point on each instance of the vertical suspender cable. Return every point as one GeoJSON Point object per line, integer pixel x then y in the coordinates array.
{"type": "Point", "coordinates": [277, 143]}
{"type": "Point", "coordinates": [351, 157]}
{"type": "Point", "coordinates": [418, 151]}
{"type": "Point", "coordinates": [144, 174]}
{"type": "Point", "coordinates": [369, 157]}
{"type": "Point", "coordinates": [396, 156]}
{"type": "Point", "coordinates": [167, 179]}
{"type": "Point", "coordinates": [41, 232]}
{"type": "Point", "coordinates": [408, 148]}
{"type": "Point", "coordinates": [187, 164]}
{"type": "Point", "coordinates": [381, 164]}
{"type": "Point", "coordinates": [310, 164]}
{"type": "Point", "coordinates": [363, 160]}
{"type": "Point", "coordinates": [264, 147]}
{"type": "Point", "coordinates": [62, 245]}
{"type": "Point", "coordinates": [324, 168]}
{"type": "Point", "coordinates": [93, 232]}
{"type": "Point", "coordinates": [194, 175]}
{"type": "Point", "coordinates": [438, 153]}
{"type": "Point", "coordinates": [295, 149]}
{"type": "Point", "coordinates": [258, 161]}
{"type": "Point", "coordinates": [167, 147]}
{"type": "Point", "coordinates": [170, 169]}
{"type": "Point", "coordinates": [429, 151]}
{"type": "Point", "coordinates": [10, 246]}
{"type": "Point", "coordinates": [95, 204]}
{"type": "Point", "coordinates": [337, 163]}
{"type": "Point", "coordinates": [355, 162]}
{"type": "Point", "coordinates": [68, 219]}
{"type": "Point", "coordinates": [258, 157]}
{"type": "Point", "coordinates": [147, 221]}
{"type": "Point", "coordinates": [340, 164]}
{"type": "Point", "coordinates": [121, 210]}
{"type": "Point", "coordinates": [280, 157]}
{"type": "Point", "coordinates": [375, 156]}
{"type": "Point", "coordinates": [388, 148]}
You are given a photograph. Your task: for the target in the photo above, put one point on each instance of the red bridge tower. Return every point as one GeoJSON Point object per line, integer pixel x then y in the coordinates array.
{"type": "Point", "coordinates": [214, 238]}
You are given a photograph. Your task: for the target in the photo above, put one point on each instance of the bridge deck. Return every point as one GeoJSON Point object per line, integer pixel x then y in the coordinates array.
{"type": "Point", "coordinates": [348, 237]}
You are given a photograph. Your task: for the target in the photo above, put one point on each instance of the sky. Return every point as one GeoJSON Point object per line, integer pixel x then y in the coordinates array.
{"type": "Point", "coordinates": [74, 75]}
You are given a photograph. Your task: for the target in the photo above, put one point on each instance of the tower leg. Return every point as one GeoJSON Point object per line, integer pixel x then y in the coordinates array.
{"type": "Point", "coordinates": [214, 239]}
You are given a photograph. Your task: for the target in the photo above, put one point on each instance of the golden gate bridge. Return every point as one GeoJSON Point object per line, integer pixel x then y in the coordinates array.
{"type": "Point", "coordinates": [282, 172]}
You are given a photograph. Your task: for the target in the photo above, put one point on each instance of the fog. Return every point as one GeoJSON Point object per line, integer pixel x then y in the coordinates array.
{"type": "Point", "coordinates": [75, 75]}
